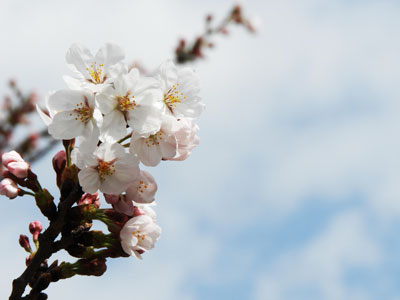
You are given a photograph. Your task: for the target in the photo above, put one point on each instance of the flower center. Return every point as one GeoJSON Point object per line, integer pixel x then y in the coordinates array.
{"type": "Point", "coordinates": [105, 168]}
{"type": "Point", "coordinates": [139, 235]}
{"type": "Point", "coordinates": [142, 186]}
{"type": "Point", "coordinates": [96, 73]}
{"type": "Point", "coordinates": [154, 139]}
{"type": "Point", "coordinates": [125, 103]}
{"type": "Point", "coordinates": [173, 97]}
{"type": "Point", "coordinates": [83, 112]}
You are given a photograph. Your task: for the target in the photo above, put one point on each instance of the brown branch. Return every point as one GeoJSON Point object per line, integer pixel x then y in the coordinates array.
{"type": "Point", "coordinates": [46, 242]}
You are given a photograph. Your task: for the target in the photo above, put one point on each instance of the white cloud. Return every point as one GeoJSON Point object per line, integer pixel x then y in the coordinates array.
{"type": "Point", "coordinates": [318, 269]}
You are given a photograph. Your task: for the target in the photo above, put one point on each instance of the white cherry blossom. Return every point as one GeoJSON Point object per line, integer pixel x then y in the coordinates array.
{"type": "Point", "coordinates": [93, 71]}
{"type": "Point", "coordinates": [108, 169]}
{"type": "Point", "coordinates": [180, 86]}
{"type": "Point", "coordinates": [151, 149]}
{"type": "Point", "coordinates": [132, 100]}
{"type": "Point", "coordinates": [186, 138]}
{"type": "Point", "coordinates": [138, 235]}
{"type": "Point", "coordinates": [142, 189]}
{"type": "Point", "coordinates": [74, 115]}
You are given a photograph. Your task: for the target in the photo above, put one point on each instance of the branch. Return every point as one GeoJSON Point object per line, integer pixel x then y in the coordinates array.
{"type": "Point", "coordinates": [46, 242]}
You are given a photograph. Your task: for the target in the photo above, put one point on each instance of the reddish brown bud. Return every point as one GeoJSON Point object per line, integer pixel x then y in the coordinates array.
{"type": "Point", "coordinates": [59, 161]}
{"type": "Point", "coordinates": [94, 267]}
{"type": "Point", "coordinates": [237, 14]}
{"type": "Point", "coordinates": [24, 243]}
{"type": "Point", "coordinates": [35, 228]}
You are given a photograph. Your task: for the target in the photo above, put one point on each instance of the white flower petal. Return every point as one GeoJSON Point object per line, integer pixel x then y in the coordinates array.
{"type": "Point", "coordinates": [45, 118]}
{"type": "Point", "coordinates": [66, 125]}
{"type": "Point", "coordinates": [89, 180]}
{"type": "Point", "coordinates": [114, 127]}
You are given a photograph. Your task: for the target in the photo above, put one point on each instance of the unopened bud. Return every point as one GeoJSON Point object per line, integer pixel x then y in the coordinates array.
{"type": "Point", "coordinates": [94, 267]}
{"type": "Point", "coordinates": [24, 243]}
{"type": "Point", "coordinates": [9, 188]}
{"type": "Point", "coordinates": [237, 14]}
{"type": "Point", "coordinates": [35, 228]}
{"type": "Point", "coordinates": [11, 156]}
{"type": "Point", "coordinates": [59, 161]}
{"type": "Point", "coordinates": [209, 18]}
{"type": "Point", "coordinates": [90, 199]}
{"type": "Point", "coordinates": [19, 168]}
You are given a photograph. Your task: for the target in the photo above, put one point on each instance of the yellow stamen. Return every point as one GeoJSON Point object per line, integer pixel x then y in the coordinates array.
{"type": "Point", "coordinates": [105, 168]}
{"type": "Point", "coordinates": [126, 102]}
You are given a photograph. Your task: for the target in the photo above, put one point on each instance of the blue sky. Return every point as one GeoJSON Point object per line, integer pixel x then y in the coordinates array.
{"type": "Point", "coordinates": [293, 192]}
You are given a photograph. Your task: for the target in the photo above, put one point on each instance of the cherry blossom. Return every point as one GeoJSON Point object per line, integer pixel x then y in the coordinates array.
{"type": "Point", "coordinates": [186, 138]}
{"type": "Point", "coordinates": [93, 72]}
{"type": "Point", "coordinates": [142, 189]}
{"type": "Point", "coordinates": [151, 149]}
{"type": "Point", "coordinates": [133, 100]}
{"type": "Point", "coordinates": [181, 90]}
{"type": "Point", "coordinates": [76, 116]}
{"type": "Point", "coordinates": [108, 169]}
{"type": "Point", "coordinates": [138, 235]}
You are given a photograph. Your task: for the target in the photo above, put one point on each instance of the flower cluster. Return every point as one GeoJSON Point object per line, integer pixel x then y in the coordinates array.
{"type": "Point", "coordinates": [120, 119]}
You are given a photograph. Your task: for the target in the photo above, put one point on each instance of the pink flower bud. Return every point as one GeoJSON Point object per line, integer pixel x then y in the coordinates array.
{"type": "Point", "coordinates": [24, 243]}
{"type": "Point", "coordinates": [59, 161]}
{"type": "Point", "coordinates": [35, 228]}
{"type": "Point", "coordinates": [11, 156]}
{"type": "Point", "coordinates": [19, 168]}
{"type": "Point", "coordinates": [8, 188]}
{"type": "Point", "coordinates": [90, 199]}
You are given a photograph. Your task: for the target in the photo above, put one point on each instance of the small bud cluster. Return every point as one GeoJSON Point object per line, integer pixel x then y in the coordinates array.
{"type": "Point", "coordinates": [35, 228]}
{"type": "Point", "coordinates": [186, 52]}
{"type": "Point", "coordinates": [16, 171]}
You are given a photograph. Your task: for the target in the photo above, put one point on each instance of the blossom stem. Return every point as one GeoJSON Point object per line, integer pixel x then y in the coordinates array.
{"type": "Point", "coordinates": [124, 138]}
{"type": "Point", "coordinates": [68, 149]}
{"type": "Point", "coordinates": [23, 192]}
